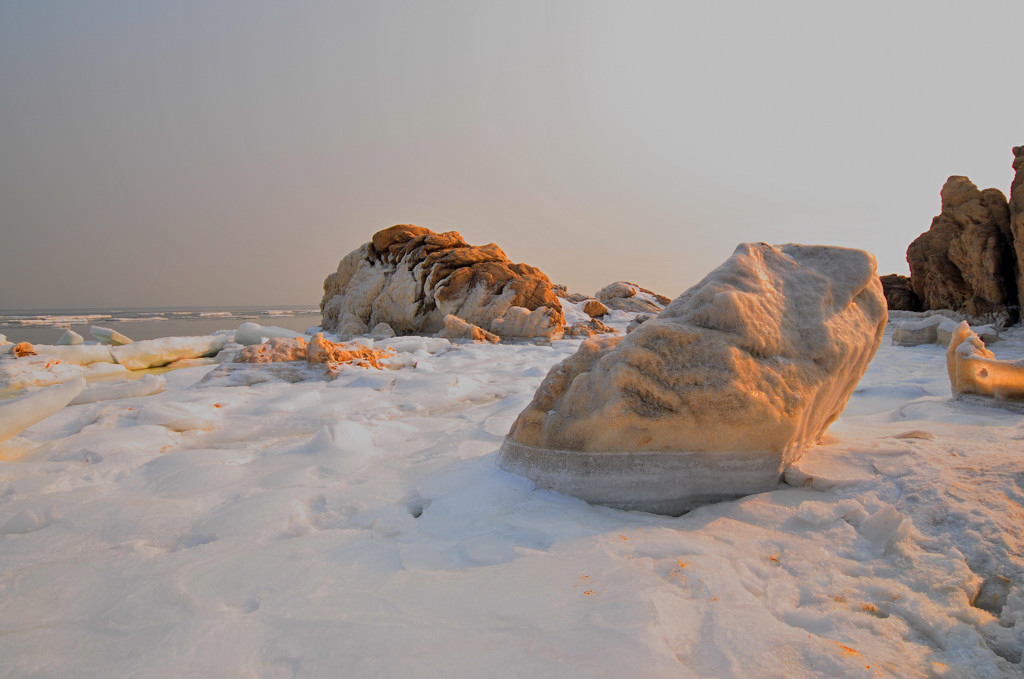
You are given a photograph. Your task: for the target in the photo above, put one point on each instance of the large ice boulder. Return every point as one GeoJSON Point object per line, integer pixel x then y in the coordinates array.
{"type": "Point", "coordinates": [411, 278]}
{"type": "Point", "coordinates": [718, 394]}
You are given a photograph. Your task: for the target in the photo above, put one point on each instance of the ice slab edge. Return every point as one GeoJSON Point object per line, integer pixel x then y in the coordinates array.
{"type": "Point", "coordinates": [670, 483]}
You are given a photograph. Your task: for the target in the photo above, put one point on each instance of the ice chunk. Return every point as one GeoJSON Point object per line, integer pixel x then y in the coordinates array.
{"type": "Point", "coordinates": [254, 333]}
{"type": "Point", "coordinates": [726, 387]}
{"type": "Point", "coordinates": [70, 337]}
{"type": "Point", "coordinates": [973, 369]}
{"type": "Point", "coordinates": [382, 331]}
{"type": "Point", "coordinates": [83, 354]}
{"type": "Point", "coordinates": [410, 344]}
{"type": "Point", "coordinates": [108, 391]}
{"type": "Point", "coordinates": [158, 352]}
{"type": "Point", "coordinates": [108, 336]}
{"type": "Point", "coordinates": [23, 412]}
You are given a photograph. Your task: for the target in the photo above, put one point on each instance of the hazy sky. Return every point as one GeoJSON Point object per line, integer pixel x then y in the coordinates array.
{"type": "Point", "coordinates": [217, 153]}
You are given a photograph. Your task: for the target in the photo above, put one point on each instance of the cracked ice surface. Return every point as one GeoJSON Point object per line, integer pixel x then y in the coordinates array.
{"type": "Point", "coordinates": [360, 528]}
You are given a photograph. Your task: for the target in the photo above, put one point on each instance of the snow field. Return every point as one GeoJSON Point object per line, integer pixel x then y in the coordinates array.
{"type": "Point", "coordinates": [360, 528]}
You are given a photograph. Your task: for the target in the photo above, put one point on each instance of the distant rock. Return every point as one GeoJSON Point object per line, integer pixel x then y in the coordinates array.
{"type": "Point", "coordinates": [899, 294]}
{"type": "Point", "coordinates": [718, 394]}
{"type": "Point", "coordinates": [1017, 216]}
{"type": "Point", "coordinates": [626, 296]}
{"type": "Point", "coordinates": [411, 278]}
{"type": "Point", "coordinates": [966, 260]}
{"type": "Point", "coordinates": [595, 308]}
{"type": "Point", "coordinates": [591, 328]}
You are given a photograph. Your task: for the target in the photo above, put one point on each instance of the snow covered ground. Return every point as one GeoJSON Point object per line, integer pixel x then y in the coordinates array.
{"type": "Point", "coordinates": [360, 528]}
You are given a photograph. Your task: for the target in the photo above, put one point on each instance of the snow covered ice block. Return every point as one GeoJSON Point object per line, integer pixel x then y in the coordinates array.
{"type": "Point", "coordinates": [974, 371]}
{"type": "Point", "coordinates": [70, 337]}
{"type": "Point", "coordinates": [715, 397]}
{"type": "Point", "coordinates": [21, 413]}
{"type": "Point", "coordinates": [108, 336]}
{"type": "Point", "coordinates": [254, 333]}
{"type": "Point", "coordinates": [158, 352]}
{"type": "Point", "coordinates": [83, 354]}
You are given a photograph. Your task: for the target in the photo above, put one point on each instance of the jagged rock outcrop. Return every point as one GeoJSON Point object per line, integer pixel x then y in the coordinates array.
{"type": "Point", "coordinates": [411, 278]}
{"type": "Point", "coordinates": [1017, 216]}
{"type": "Point", "coordinates": [626, 296]}
{"type": "Point", "coordinates": [966, 260]}
{"type": "Point", "coordinates": [715, 396]}
{"type": "Point", "coordinates": [899, 294]}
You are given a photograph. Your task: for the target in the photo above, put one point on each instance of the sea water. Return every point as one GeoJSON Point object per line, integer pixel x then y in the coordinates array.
{"type": "Point", "coordinates": [45, 326]}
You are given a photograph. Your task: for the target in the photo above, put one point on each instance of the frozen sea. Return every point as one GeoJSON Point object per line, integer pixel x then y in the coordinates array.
{"type": "Point", "coordinates": [240, 523]}
{"type": "Point", "coordinates": [45, 326]}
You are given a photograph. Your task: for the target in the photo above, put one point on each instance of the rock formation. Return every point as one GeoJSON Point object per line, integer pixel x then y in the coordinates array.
{"type": "Point", "coordinates": [718, 394]}
{"type": "Point", "coordinates": [899, 294]}
{"type": "Point", "coordinates": [411, 278]}
{"type": "Point", "coordinates": [626, 296]}
{"type": "Point", "coordinates": [1017, 216]}
{"type": "Point", "coordinates": [966, 261]}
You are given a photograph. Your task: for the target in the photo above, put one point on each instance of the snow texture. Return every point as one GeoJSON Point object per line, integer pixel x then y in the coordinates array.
{"type": "Point", "coordinates": [361, 528]}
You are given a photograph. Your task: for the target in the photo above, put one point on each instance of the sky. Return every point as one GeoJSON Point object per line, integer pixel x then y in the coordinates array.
{"type": "Point", "coordinates": [230, 153]}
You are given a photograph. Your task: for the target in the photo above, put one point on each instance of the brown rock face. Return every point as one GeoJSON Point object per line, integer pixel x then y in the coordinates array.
{"type": "Point", "coordinates": [965, 261]}
{"type": "Point", "coordinates": [899, 294]}
{"type": "Point", "coordinates": [411, 278]}
{"type": "Point", "coordinates": [1017, 216]}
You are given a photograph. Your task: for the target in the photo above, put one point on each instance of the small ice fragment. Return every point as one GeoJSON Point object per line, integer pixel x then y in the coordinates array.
{"type": "Point", "coordinates": [382, 331]}
{"type": "Point", "coordinates": [883, 528]}
{"type": "Point", "coordinates": [254, 333]}
{"type": "Point", "coordinates": [70, 337]}
{"type": "Point", "coordinates": [108, 336]}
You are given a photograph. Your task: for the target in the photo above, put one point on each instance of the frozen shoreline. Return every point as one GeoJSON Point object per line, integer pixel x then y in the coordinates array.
{"type": "Point", "coordinates": [361, 527]}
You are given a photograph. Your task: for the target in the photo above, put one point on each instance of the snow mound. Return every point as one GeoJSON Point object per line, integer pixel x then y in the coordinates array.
{"type": "Point", "coordinates": [754, 362]}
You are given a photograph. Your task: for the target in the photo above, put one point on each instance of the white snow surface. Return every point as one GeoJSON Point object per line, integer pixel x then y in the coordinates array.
{"type": "Point", "coordinates": [360, 528]}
